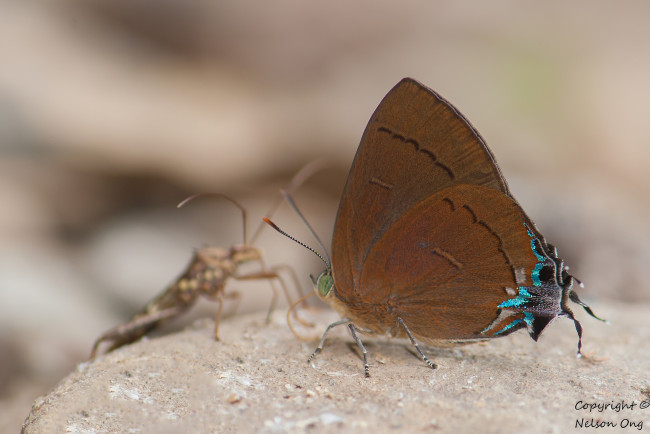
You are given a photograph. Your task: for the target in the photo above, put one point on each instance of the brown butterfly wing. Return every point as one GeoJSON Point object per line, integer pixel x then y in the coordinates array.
{"type": "Point", "coordinates": [415, 144]}
{"type": "Point", "coordinates": [447, 264]}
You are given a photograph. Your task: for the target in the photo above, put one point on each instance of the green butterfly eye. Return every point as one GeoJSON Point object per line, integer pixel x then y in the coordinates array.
{"type": "Point", "coordinates": [324, 283]}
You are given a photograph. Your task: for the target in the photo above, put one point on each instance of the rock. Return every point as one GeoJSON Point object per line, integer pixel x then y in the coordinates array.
{"type": "Point", "coordinates": [256, 379]}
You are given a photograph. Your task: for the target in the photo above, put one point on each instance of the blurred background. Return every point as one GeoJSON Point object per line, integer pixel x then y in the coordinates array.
{"type": "Point", "coordinates": [113, 111]}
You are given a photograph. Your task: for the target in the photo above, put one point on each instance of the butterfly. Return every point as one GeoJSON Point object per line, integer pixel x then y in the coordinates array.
{"type": "Point", "coordinates": [429, 244]}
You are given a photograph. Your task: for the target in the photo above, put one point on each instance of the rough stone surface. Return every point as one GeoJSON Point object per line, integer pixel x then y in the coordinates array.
{"type": "Point", "coordinates": [257, 380]}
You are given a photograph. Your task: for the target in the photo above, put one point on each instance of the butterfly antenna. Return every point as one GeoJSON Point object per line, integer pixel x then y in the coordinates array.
{"type": "Point", "coordinates": [274, 226]}
{"type": "Point", "coordinates": [298, 179]}
{"type": "Point", "coordinates": [289, 199]}
{"type": "Point", "coordinates": [219, 196]}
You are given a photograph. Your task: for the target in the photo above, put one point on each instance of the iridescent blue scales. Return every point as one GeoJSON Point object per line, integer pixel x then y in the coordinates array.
{"type": "Point", "coordinates": [536, 305]}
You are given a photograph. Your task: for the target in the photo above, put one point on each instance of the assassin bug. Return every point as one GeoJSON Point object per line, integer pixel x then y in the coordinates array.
{"type": "Point", "coordinates": [206, 274]}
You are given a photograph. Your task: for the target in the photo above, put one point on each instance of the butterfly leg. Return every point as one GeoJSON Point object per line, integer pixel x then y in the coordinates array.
{"type": "Point", "coordinates": [415, 344]}
{"type": "Point", "coordinates": [353, 330]}
{"type": "Point", "coordinates": [579, 331]}
{"type": "Point", "coordinates": [319, 348]}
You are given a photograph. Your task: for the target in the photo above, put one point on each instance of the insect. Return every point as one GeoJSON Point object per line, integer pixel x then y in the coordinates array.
{"type": "Point", "coordinates": [429, 243]}
{"type": "Point", "coordinates": [207, 273]}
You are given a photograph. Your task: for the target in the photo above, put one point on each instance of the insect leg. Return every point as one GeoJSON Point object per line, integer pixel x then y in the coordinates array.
{"type": "Point", "coordinates": [294, 278]}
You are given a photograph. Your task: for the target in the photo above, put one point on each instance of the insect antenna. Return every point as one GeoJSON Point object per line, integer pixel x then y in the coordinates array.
{"type": "Point", "coordinates": [303, 174]}
{"type": "Point", "coordinates": [220, 196]}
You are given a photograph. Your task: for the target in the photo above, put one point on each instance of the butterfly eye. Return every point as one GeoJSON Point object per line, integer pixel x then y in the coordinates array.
{"type": "Point", "coordinates": [324, 283]}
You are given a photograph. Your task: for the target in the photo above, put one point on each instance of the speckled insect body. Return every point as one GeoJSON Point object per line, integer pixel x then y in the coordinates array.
{"type": "Point", "coordinates": [206, 275]}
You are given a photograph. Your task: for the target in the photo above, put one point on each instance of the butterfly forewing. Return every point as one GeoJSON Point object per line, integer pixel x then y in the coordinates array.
{"type": "Point", "coordinates": [430, 146]}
